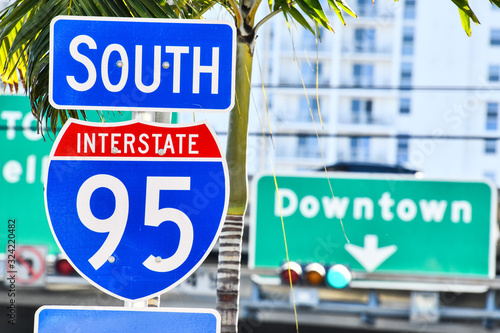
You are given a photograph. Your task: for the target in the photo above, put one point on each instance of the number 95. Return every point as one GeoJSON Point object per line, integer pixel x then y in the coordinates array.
{"type": "Point", "coordinates": [116, 223]}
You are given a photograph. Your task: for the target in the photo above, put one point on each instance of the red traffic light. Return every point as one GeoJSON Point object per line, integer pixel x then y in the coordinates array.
{"type": "Point", "coordinates": [291, 272]}
{"type": "Point", "coordinates": [63, 267]}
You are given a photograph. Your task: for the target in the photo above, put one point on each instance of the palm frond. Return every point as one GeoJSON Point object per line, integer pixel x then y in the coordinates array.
{"type": "Point", "coordinates": [466, 14]}
{"type": "Point", "coordinates": [13, 67]}
{"type": "Point", "coordinates": [24, 40]}
{"type": "Point", "coordinates": [311, 9]}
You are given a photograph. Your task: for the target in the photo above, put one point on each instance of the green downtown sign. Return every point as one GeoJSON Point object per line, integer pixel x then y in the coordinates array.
{"type": "Point", "coordinates": [392, 224]}
{"type": "Point", "coordinates": [23, 157]}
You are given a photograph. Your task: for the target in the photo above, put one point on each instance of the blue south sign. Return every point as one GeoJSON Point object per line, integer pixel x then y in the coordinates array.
{"type": "Point", "coordinates": [136, 207]}
{"type": "Point", "coordinates": [142, 64]}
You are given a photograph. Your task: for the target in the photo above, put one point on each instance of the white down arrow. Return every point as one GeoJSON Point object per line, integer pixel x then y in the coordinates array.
{"type": "Point", "coordinates": [371, 256]}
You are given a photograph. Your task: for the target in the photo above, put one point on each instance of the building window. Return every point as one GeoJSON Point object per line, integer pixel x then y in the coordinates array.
{"type": "Point", "coordinates": [360, 149]}
{"type": "Point", "coordinates": [491, 175]}
{"type": "Point", "coordinates": [402, 149]}
{"type": "Point", "coordinates": [309, 70]}
{"type": "Point", "coordinates": [409, 10]}
{"type": "Point", "coordinates": [355, 111]}
{"type": "Point", "coordinates": [363, 75]}
{"type": "Point", "coordinates": [366, 8]}
{"type": "Point", "coordinates": [494, 73]}
{"type": "Point", "coordinates": [308, 147]}
{"type": "Point", "coordinates": [306, 109]}
{"type": "Point", "coordinates": [406, 74]}
{"type": "Point", "coordinates": [495, 37]}
{"type": "Point", "coordinates": [310, 41]}
{"type": "Point", "coordinates": [364, 40]}
{"type": "Point", "coordinates": [361, 111]}
{"type": "Point", "coordinates": [492, 116]}
{"type": "Point", "coordinates": [490, 146]}
{"type": "Point", "coordinates": [404, 105]}
{"type": "Point", "coordinates": [408, 37]}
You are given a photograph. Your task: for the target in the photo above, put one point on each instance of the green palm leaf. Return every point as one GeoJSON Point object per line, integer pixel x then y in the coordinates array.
{"type": "Point", "coordinates": [466, 14]}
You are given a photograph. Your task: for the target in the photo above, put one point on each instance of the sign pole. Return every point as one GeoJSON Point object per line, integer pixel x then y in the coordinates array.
{"type": "Point", "coordinates": [136, 304]}
{"type": "Point", "coordinates": [153, 302]}
{"type": "Point", "coordinates": [159, 117]}
{"type": "Point", "coordinates": [163, 117]}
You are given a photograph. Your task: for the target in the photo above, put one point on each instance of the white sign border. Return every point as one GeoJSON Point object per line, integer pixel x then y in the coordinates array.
{"type": "Point", "coordinates": [130, 122]}
{"type": "Point", "coordinates": [134, 19]}
{"type": "Point", "coordinates": [494, 230]}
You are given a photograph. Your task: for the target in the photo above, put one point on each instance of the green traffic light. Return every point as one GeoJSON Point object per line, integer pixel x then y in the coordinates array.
{"type": "Point", "coordinates": [338, 276]}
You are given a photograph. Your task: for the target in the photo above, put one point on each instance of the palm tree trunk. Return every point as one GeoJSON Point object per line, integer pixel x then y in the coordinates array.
{"type": "Point", "coordinates": [228, 272]}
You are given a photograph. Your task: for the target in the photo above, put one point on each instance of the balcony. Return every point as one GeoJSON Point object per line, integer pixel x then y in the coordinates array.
{"type": "Point", "coordinates": [365, 124]}
{"type": "Point", "coordinates": [364, 119]}
{"type": "Point", "coordinates": [374, 85]}
{"type": "Point", "coordinates": [305, 40]}
{"type": "Point", "coordinates": [366, 52]}
{"type": "Point", "coordinates": [292, 78]}
{"type": "Point", "coordinates": [348, 155]}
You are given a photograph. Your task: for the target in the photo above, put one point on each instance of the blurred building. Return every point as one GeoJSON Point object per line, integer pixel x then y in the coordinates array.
{"type": "Point", "coordinates": [401, 84]}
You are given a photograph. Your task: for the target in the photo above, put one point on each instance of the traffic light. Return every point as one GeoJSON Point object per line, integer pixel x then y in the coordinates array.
{"type": "Point", "coordinates": [314, 274]}
{"type": "Point", "coordinates": [294, 275]}
{"type": "Point", "coordinates": [338, 276]}
{"type": "Point", "coordinates": [63, 267]}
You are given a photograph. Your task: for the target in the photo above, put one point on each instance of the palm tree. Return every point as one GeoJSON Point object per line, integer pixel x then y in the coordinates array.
{"type": "Point", "coordinates": [24, 47]}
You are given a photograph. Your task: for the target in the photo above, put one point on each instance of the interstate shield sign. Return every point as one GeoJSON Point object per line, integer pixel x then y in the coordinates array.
{"type": "Point", "coordinates": [136, 206]}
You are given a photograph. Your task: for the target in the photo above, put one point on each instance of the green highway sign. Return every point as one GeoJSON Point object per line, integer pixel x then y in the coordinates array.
{"type": "Point", "coordinates": [23, 158]}
{"type": "Point", "coordinates": [392, 224]}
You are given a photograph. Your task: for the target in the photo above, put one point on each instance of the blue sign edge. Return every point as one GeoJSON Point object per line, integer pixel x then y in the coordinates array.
{"type": "Point", "coordinates": [494, 231]}
{"type": "Point", "coordinates": [129, 122]}
{"type": "Point", "coordinates": [213, 312]}
{"type": "Point", "coordinates": [133, 19]}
